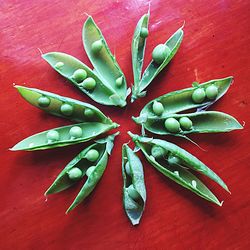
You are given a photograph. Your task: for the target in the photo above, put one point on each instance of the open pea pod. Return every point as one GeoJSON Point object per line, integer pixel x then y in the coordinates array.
{"type": "Point", "coordinates": [92, 161]}
{"type": "Point", "coordinates": [62, 106]}
{"type": "Point", "coordinates": [182, 100]}
{"type": "Point", "coordinates": [64, 136]}
{"type": "Point", "coordinates": [86, 80]}
{"type": "Point", "coordinates": [171, 46]}
{"type": "Point", "coordinates": [199, 122]}
{"type": "Point", "coordinates": [104, 62]}
{"type": "Point", "coordinates": [174, 162]}
{"type": "Point", "coordinates": [134, 191]}
{"type": "Point", "coordinates": [138, 49]}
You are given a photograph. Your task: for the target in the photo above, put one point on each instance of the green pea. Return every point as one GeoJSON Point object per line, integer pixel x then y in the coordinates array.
{"type": "Point", "coordinates": [173, 160]}
{"type": "Point", "coordinates": [172, 125]}
{"type": "Point", "coordinates": [90, 170]}
{"type": "Point", "coordinates": [92, 155]}
{"type": "Point", "coordinates": [198, 95]}
{"type": "Point", "coordinates": [89, 113]}
{"type": "Point", "coordinates": [158, 108]}
{"type": "Point", "coordinates": [158, 152]}
{"type": "Point", "coordinates": [185, 123]}
{"type": "Point", "coordinates": [75, 132]}
{"type": "Point", "coordinates": [59, 65]}
{"type": "Point", "coordinates": [96, 46]}
{"type": "Point", "coordinates": [43, 101]}
{"type": "Point", "coordinates": [160, 53]}
{"type": "Point", "coordinates": [66, 109]}
{"type": "Point", "coordinates": [144, 32]}
{"type": "Point", "coordinates": [53, 135]}
{"type": "Point", "coordinates": [133, 194]}
{"type": "Point", "coordinates": [127, 168]}
{"type": "Point", "coordinates": [75, 174]}
{"type": "Point", "coordinates": [211, 92]}
{"type": "Point", "coordinates": [119, 81]}
{"type": "Point", "coordinates": [79, 75]}
{"type": "Point", "coordinates": [89, 83]}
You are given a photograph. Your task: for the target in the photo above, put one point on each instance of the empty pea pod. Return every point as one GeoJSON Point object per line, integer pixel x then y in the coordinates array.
{"type": "Point", "coordinates": [104, 62]}
{"type": "Point", "coordinates": [64, 136]}
{"type": "Point", "coordinates": [161, 56]}
{"type": "Point", "coordinates": [134, 191]}
{"type": "Point", "coordinates": [138, 49]}
{"type": "Point", "coordinates": [175, 162]}
{"type": "Point", "coordinates": [181, 100]}
{"type": "Point", "coordinates": [80, 166]}
{"type": "Point", "coordinates": [56, 105]}
{"type": "Point", "coordinates": [82, 77]}
{"type": "Point", "coordinates": [182, 124]}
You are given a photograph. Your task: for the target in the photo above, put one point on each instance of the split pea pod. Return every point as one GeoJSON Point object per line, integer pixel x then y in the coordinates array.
{"type": "Point", "coordinates": [62, 106]}
{"type": "Point", "coordinates": [182, 124]}
{"type": "Point", "coordinates": [134, 191]}
{"type": "Point", "coordinates": [138, 49]}
{"type": "Point", "coordinates": [64, 136]}
{"type": "Point", "coordinates": [82, 77]}
{"type": "Point", "coordinates": [161, 56]}
{"type": "Point", "coordinates": [92, 162]}
{"type": "Point", "coordinates": [174, 162]}
{"type": "Point", "coordinates": [104, 62]}
{"type": "Point", "coordinates": [186, 99]}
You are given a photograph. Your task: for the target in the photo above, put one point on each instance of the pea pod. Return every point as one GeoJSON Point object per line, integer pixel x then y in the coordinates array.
{"type": "Point", "coordinates": [103, 61]}
{"type": "Point", "coordinates": [54, 104]}
{"type": "Point", "coordinates": [64, 136]}
{"type": "Point", "coordinates": [134, 192]}
{"type": "Point", "coordinates": [171, 46]}
{"type": "Point", "coordinates": [173, 164]}
{"type": "Point", "coordinates": [93, 167]}
{"type": "Point", "coordinates": [200, 122]}
{"type": "Point", "coordinates": [138, 49]}
{"type": "Point", "coordinates": [181, 100]}
{"type": "Point", "coordinates": [68, 67]}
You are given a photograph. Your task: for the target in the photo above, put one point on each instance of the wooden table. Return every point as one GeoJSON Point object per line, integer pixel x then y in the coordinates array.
{"type": "Point", "coordinates": [216, 45]}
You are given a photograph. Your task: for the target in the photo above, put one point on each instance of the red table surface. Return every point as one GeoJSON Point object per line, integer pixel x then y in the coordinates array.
{"type": "Point", "coordinates": [215, 45]}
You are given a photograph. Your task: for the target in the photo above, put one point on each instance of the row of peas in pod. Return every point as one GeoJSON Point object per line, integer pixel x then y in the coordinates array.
{"type": "Point", "coordinates": [106, 84]}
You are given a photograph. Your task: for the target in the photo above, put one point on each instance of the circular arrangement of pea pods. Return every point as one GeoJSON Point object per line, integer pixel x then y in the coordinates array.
{"type": "Point", "coordinates": [134, 191]}
{"type": "Point", "coordinates": [179, 172]}
{"type": "Point", "coordinates": [104, 62]}
{"type": "Point", "coordinates": [153, 69]}
{"type": "Point", "coordinates": [138, 51]}
{"type": "Point", "coordinates": [63, 181]}
{"type": "Point", "coordinates": [102, 93]}
{"type": "Point", "coordinates": [81, 111]}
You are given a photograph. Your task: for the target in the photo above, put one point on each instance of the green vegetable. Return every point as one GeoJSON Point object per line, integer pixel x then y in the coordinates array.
{"type": "Point", "coordinates": [89, 83]}
{"type": "Point", "coordinates": [81, 166]}
{"type": "Point", "coordinates": [75, 132]}
{"type": "Point", "coordinates": [138, 50]}
{"type": "Point", "coordinates": [43, 101]}
{"type": "Point", "coordinates": [134, 192]}
{"type": "Point", "coordinates": [105, 64]}
{"type": "Point", "coordinates": [92, 155]}
{"type": "Point", "coordinates": [67, 109]}
{"type": "Point", "coordinates": [211, 92]}
{"type": "Point", "coordinates": [79, 75]}
{"type": "Point", "coordinates": [158, 152]}
{"type": "Point", "coordinates": [162, 55]}
{"type": "Point", "coordinates": [102, 93]}
{"type": "Point", "coordinates": [201, 122]}
{"type": "Point", "coordinates": [198, 95]}
{"type": "Point", "coordinates": [176, 172]}
{"type": "Point", "coordinates": [82, 111]}
{"type": "Point", "coordinates": [158, 108]}
{"type": "Point", "coordinates": [60, 137]}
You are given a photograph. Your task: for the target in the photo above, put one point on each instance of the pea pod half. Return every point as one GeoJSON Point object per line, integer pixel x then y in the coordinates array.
{"type": "Point", "coordinates": [92, 162]}
{"type": "Point", "coordinates": [182, 124]}
{"type": "Point", "coordinates": [64, 136]}
{"type": "Point", "coordinates": [134, 191]}
{"type": "Point", "coordinates": [172, 161]}
{"type": "Point", "coordinates": [138, 49]}
{"type": "Point", "coordinates": [104, 62]}
{"type": "Point", "coordinates": [162, 55]}
{"type": "Point", "coordinates": [62, 106]}
{"type": "Point", "coordinates": [82, 77]}
{"type": "Point", "coordinates": [181, 100]}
